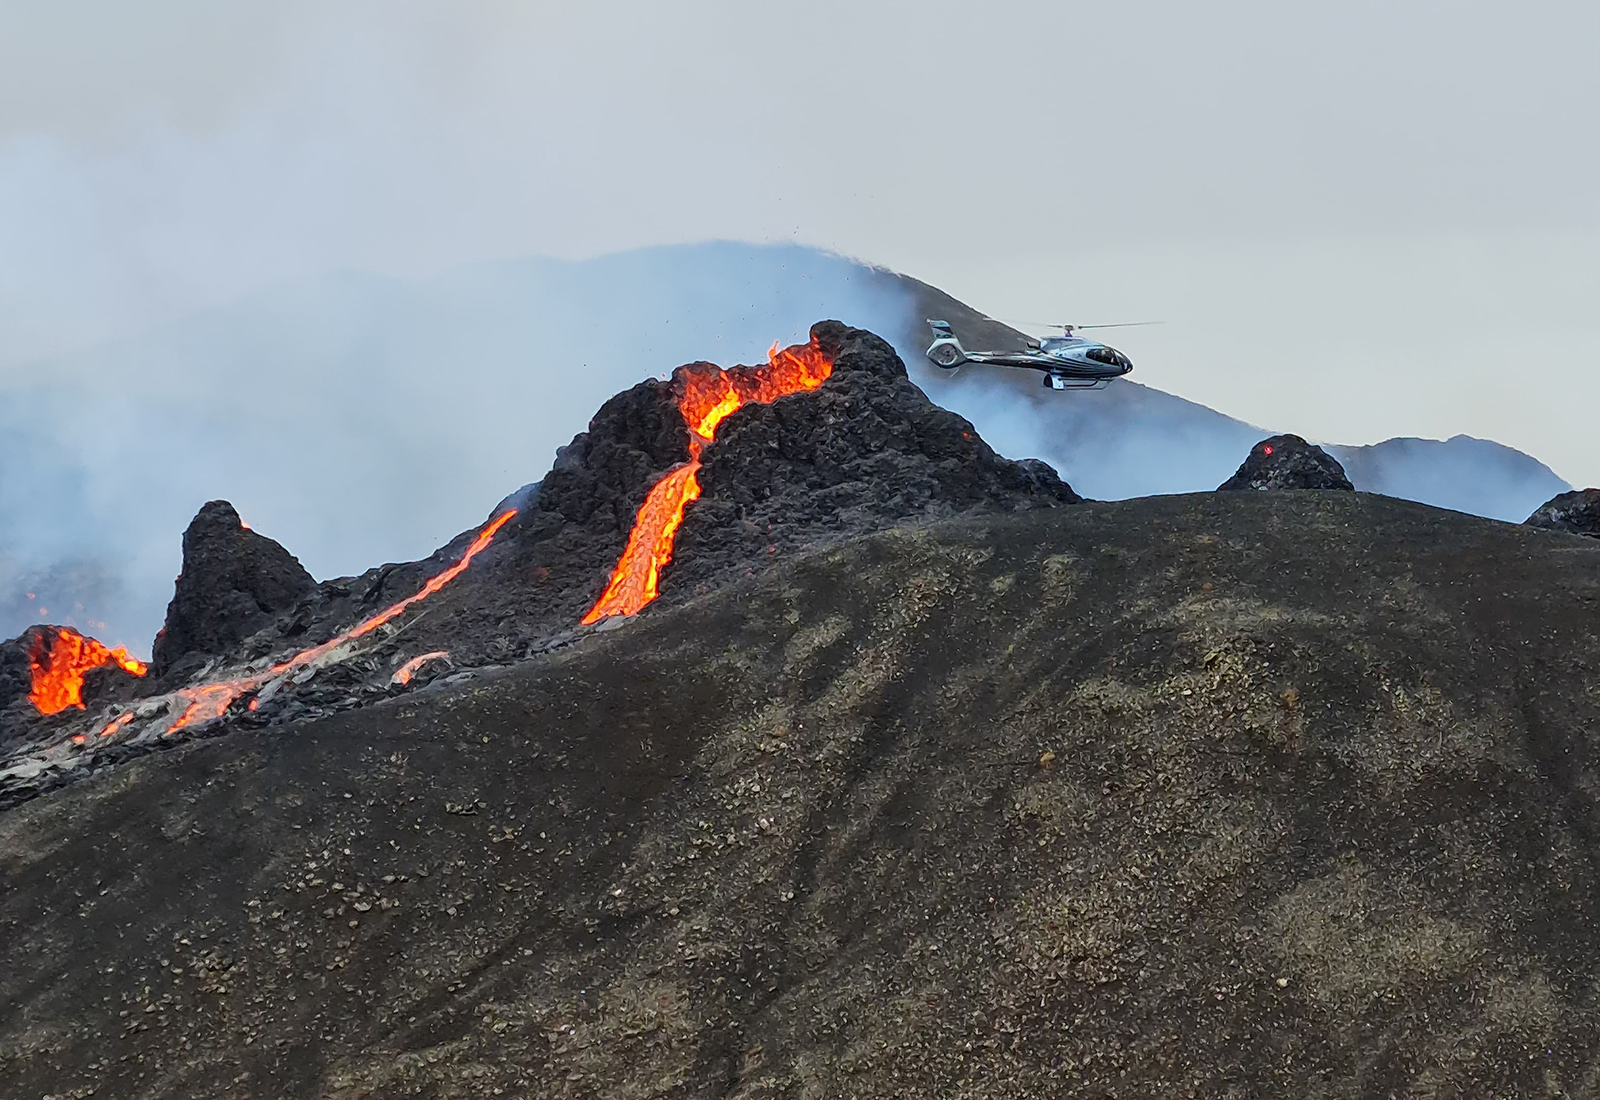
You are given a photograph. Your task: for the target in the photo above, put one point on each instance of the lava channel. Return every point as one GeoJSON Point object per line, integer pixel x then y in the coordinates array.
{"type": "Point", "coordinates": [58, 668]}
{"type": "Point", "coordinates": [212, 700]}
{"type": "Point", "coordinates": [402, 675]}
{"type": "Point", "coordinates": [710, 395]}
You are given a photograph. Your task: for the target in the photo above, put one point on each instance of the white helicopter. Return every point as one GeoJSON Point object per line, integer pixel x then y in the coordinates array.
{"type": "Point", "coordinates": [1068, 361]}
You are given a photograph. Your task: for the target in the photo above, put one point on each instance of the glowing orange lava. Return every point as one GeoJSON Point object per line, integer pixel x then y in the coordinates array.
{"type": "Point", "coordinates": [58, 669]}
{"type": "Point", "coordinates": [212, 700]}
{"type": "Point", "coordinates": [710, 395]}
{"type": "Point", "coordinates": [405, 672]}
{"type": "Point", "coordinates": [115, 724]}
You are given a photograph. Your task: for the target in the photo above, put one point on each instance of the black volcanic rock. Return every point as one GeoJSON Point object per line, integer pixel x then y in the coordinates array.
{"type": "Point", "coordinates": [16, 678]}
{"type": "Point", "coordinates": [234, 582]}
{"type": "Point", "coordinates": [1577, 513]}
{"type": "Point", "coordinates": [18, 718]}
{"type": "Point", "coordinates": [635, 437]}
{"type": "Point", "coordinates": [866, 450]}
{"type": "Point", "coordinates": [1287, 462]}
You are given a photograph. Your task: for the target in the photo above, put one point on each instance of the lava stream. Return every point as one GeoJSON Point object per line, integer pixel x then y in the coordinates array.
{"type": "Point", "coordinates": [212, 700]}
{"type": "Point", "coordinates": [405, 672]}
{"type": "Point", "coordinates": [710, 395]}
{"type": "Point", "coordinates": [58, 670]}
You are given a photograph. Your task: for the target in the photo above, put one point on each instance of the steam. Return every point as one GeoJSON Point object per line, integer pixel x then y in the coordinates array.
{"type": "Point", "coordinates": [1125, 441]}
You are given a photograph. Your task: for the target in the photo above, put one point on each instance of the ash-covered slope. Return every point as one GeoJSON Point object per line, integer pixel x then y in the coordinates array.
{"type": "Point", "coordinates": [1254, 794]}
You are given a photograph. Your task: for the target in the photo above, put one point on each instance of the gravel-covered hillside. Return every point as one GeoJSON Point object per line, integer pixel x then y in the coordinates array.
{"type": "Point", "coordinates": [1235, 794]}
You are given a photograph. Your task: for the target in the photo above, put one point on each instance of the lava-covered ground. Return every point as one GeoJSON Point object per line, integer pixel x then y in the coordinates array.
{"type": "Point", "coordinates": [1242, 794]}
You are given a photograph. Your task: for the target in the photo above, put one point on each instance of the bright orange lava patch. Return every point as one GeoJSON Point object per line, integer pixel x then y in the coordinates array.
{"type": "Point", "coordinates": [710, 395]}
{"type": "Point", "coordinates": [405, 672]}
{"type": "Point", "coordinates": [58, 669]}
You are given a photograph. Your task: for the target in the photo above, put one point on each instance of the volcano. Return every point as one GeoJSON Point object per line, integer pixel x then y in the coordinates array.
{"type": "Point", "coordinates": [677, 487]}
{"type": "Point", "coordinates": [889, 767]}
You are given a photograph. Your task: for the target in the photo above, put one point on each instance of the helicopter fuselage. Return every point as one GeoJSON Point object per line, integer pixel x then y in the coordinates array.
{"type": "Point", "coordinates": [1067, 362]}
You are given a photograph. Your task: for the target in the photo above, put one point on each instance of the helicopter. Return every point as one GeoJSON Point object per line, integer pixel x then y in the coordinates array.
{"type": "Point", "coordinates": [1068, 361]}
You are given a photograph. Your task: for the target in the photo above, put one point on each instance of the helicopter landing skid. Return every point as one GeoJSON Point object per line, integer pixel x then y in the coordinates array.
{"type": "Point", "coordinates": [1061, 382]}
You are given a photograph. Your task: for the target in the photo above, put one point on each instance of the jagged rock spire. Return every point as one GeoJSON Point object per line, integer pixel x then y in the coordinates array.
{"type": "Point", "coordinates": [234, 581]}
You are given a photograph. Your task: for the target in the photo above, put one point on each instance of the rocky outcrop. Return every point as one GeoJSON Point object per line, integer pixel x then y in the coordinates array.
{"type": "Point", "coordinates": [15, 678]}
{"type": "Point", "coordinates": [1288, 462]}
{"type": "Point", "coordinates": [234, 582]}
{"type": "Point", "coordinates": [1577, 513]}
{"type": "Point", "coordinates": [865, 451]}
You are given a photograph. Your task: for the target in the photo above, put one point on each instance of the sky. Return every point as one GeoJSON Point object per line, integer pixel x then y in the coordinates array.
{"type": "Point", "coordinates": [1367, 218]}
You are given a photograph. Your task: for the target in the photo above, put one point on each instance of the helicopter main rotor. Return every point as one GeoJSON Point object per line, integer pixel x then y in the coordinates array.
{"type": "Point", "coordinates": [1070, 329]}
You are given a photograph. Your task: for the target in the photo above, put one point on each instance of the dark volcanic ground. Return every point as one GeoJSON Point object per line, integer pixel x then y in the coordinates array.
{"type": "Point", "coordinates": [1279, 794]}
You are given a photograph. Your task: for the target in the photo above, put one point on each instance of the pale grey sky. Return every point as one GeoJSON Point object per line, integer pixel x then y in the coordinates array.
{"type": "Point", "coordinates": [1367, 217]}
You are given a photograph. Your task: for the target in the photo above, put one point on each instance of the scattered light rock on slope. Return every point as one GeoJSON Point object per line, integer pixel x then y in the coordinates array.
{"type": "Point", "coordinates": [1234, 794]}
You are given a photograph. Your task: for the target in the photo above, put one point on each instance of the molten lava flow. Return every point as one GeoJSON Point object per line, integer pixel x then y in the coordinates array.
{"type": "Point", "coordinates": [115, 724]}
{"type": "Point", "coordinates": [710, 395]}
{"type": "Point", "coordinates": [403, 674]}
{"type": "Point", "coordinates": [635, 579]}
{"type": "Point", "coordinates": [58, 669]}
{"type": "Point", "coordinates": [212, 700]}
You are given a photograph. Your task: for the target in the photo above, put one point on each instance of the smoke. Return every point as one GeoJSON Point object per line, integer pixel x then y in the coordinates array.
{"type": "Point", "coordinates": [1125, 441]}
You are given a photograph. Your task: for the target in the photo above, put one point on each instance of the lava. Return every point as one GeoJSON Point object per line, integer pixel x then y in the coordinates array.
{"type": "Point", "coordinates": [115, 724]}
{"type": "Point", "coordinates": [59, 667]}
{"type": "Point", "coordinates": [710, 395]}
{"type": "Point", "coordinates": [403, 674]}
{"type": "Point", "coordinates": [211, 700]}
